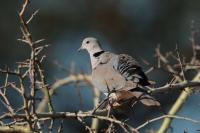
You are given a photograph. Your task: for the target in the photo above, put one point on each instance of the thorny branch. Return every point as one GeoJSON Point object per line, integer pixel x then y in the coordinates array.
{"type": "Point", "coordinates": [31, 116]}
{"type": "Point", "coordinates": [179, 72]}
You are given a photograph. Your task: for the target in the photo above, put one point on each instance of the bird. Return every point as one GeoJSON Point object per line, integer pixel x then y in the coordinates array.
{"type": "Point", "coordinates": [118, 75]}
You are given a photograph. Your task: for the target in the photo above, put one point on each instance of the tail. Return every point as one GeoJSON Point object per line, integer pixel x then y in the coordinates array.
{"type": "Point", "coordinates": [131, 96]}
{"type": "Point", "coordinates": [148, 100]}
{"type": "Point", "coordinates": [144, 97]}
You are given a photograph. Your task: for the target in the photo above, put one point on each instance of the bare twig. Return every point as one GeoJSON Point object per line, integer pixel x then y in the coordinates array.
{"type": "Point", "coordinates": [32, 16]}
{"type": "Point", "coordinates": [86, 126]}
{"type": "Point", "coordinates": [167, 116]}
{"type": "Point", "coordinates": [177, 105]}
{"type": "Point", "coordinates": [45, 88]}
{"type": "Point", "coordinates": [70, 115]}
{"type": "Point", "coordinates": [181, 65]}
{"type": "Point", "coordinates": [174, 87]}
{"type": "Point", "coordinates": [60, 128]}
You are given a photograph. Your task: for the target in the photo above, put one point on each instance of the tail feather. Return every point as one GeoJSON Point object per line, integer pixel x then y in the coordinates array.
{"type": "Point", "coordinates": [135, 95]}
{"type": "Point", "coordinates": [149, 100]}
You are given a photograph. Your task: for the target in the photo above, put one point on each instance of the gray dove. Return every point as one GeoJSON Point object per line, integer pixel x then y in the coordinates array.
{"type": "Point", "coordinates": [117, 74]}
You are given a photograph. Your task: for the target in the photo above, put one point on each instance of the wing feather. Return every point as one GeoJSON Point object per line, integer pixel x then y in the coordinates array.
{"type": "Point", "coordinates": [131, 70]}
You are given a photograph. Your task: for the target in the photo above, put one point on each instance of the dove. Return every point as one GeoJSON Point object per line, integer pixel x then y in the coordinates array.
{"type": "Point", "coordinates": [118, 75]}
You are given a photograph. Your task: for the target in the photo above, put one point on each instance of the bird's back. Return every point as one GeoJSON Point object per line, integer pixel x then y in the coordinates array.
{"type": "Point", "coordinates": [117, 72]}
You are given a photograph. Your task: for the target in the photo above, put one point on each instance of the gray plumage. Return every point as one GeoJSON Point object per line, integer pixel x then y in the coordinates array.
{"type": "Point", "coordinates": [118, 73]}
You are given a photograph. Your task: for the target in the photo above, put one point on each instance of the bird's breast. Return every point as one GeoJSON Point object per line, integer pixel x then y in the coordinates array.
{"type": "Point", "coordinates": [106, 78]}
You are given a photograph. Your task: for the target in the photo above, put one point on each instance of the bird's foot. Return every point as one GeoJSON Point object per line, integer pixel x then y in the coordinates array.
{"type": "Point", "coordinates": [113, 100]}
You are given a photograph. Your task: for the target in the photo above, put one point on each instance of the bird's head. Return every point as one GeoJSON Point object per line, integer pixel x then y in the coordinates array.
{"type": "Point", "coordinates": [90, 44]}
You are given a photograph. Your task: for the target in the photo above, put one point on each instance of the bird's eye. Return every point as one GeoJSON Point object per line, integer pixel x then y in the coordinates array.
{"type": "Point", "coordinates": [88, 42]}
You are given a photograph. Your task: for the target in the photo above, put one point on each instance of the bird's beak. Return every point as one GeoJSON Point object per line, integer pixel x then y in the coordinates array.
{"type": "Point", "coordinates": [80, 49]}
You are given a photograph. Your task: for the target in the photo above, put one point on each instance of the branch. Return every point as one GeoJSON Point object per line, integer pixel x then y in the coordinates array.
{"type": "Point", "coordinates": [60, 83]}
{"type": "Point", "coordinates": [173, 87]}
{"type": "Point", "coordinates": [15, 129]}
{"type": "Point", "coordinates": [167, 116]}
{"type": "Point", "coordinates": [45, 88]}
{"type": "Point", "coordinates": [177, 105]}
{"type": "Point", "coordinates": [70, 115]}
{"type": "Point", "coordinates": [96, 99]}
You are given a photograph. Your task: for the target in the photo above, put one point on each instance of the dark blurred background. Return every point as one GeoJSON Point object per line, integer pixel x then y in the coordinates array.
{"type": "Point", "coordinates": [134, 27]}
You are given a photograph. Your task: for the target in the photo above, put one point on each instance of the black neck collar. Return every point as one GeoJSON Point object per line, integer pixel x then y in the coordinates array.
{"type": "Point", "coordinates": [98, 53]}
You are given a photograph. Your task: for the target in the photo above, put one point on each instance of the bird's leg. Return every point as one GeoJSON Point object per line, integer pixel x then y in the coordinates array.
{"type": "Point", "coordinates": [114, 99]}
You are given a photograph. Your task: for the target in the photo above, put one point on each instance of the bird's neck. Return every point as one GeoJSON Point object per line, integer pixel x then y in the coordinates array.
{"type": "Point", "coordinates": [94, 57]}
